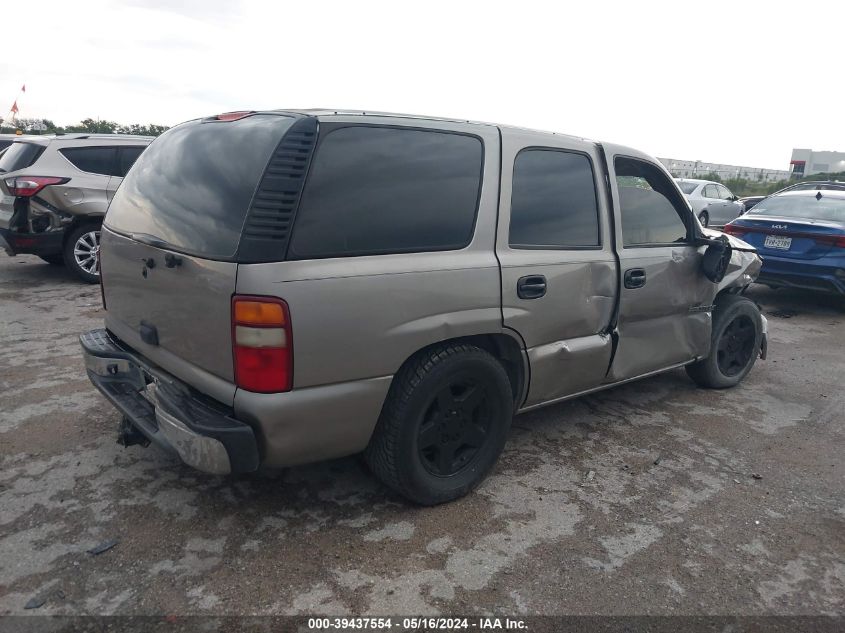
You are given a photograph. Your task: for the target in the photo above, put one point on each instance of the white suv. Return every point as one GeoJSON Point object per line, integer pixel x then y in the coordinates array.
{"type": "Point", "coordinates": [55, 191]}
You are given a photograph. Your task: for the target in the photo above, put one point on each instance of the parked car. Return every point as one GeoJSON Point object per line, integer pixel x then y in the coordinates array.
{"type": "Point", "coordinates": [712, 202]}
{"type": "Point", "coordinates": [809, 185]}
{"type": "Point", "coordinates": [54, 192]}
{"type": "Point", "coordinates": [285, 287]}
{"type": "Point", "coordinates": [801, 236]}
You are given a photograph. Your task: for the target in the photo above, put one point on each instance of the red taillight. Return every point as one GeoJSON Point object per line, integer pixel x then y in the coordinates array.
{"type": "Point", "coordinates": [837, 241]}
{"type": "Point", "coordinates": [234, 116]}
{"type": "Point", "coordinates": [28, 186]}
{"type": "Point", "coordinates": [262, 344]}
{"type": "Point", "coordinates": [730, 229]}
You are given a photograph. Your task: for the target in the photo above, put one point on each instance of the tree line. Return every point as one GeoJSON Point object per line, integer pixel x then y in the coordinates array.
{"type": "Point", "coordinates": [91, 126]}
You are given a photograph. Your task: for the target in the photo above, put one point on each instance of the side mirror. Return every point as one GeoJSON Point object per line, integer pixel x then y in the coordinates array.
{"type": "Point", "coordinates": [716, 258]}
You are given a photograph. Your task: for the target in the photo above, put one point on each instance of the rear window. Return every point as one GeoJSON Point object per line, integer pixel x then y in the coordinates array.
{"type": "Point", "coordinates": [812, 186]}
{"type": "Point", "coordinates": [687, 187]}
{"type": "Point", "coordinates": [192, 187]}
{"type": "Point", "coordinates": [376, 190]}
{"type": "Point", "coordinates": [803, 207]}
{"type": "Point", "coordinates": [19, 156]}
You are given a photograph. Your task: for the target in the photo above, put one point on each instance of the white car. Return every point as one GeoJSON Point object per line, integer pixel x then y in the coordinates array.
{"type": "Point", "coordinates": [712, 202]}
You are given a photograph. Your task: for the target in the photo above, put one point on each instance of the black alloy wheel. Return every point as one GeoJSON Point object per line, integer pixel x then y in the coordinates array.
{"type": "Point", "coordinates": [454, 428]}
{"type": "Point", "coordinates": [736, 345]}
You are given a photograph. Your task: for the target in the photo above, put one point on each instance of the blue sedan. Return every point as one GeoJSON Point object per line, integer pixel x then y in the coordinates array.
{"type": "Point", "coordinates": [801, 237]}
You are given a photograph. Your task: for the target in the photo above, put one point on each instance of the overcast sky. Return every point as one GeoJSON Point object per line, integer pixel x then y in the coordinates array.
{"type": "Point", "coordinates": [733, 82]}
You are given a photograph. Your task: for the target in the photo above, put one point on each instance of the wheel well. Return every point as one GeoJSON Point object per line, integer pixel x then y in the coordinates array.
{"type": "Point", "coordinates": [82, 220]}
{"type": "Point", "coordinates": [503, 348]}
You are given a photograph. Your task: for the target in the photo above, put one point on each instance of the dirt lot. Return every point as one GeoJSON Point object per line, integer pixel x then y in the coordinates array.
{"type": "Point", "coordinates": [655, 498]}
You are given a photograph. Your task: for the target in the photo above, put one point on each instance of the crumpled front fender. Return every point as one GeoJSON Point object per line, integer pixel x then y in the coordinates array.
{"type": "Point", "coordinates": [745, 263]}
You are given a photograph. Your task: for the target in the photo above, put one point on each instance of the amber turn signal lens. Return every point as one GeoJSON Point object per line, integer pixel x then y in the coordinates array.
{"type": "Point", "coordinates": [259, 313]}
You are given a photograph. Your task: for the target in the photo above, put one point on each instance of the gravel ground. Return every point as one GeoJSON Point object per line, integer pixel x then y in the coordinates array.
{"type": "Point", "coordinates": [653, 498]}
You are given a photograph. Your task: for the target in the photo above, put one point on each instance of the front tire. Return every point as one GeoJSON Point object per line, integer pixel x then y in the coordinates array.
{"type": "Point", "coordinates": [443, 425]}
{"type": "Point", "coordinates": [704, 218]}
{"type": "Point", "coordinates": [736, 339]}
{"type": "Point", "coordinates": [82, 252]}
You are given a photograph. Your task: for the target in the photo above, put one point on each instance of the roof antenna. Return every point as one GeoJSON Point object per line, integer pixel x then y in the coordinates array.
{"type": "Point", "coordinates": [819, 195]}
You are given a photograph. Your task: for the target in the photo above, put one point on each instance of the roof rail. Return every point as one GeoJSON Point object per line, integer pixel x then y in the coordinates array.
{"type": "Point", "coordinates": [102, 136]}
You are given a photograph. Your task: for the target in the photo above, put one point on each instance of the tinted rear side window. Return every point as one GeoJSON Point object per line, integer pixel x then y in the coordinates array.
{"type": "Point", "coordinates": [126, 157]}
{"type": "Point", "coordinates": [687, 187]}
{"type": "Point", "coordinates": [376, 190]}
{"type": "Point", "coordinates": [193, 185]}
{"type": "Point", "coordinates": [94, 160]}
{"type": "Point", "coordinates": [554, 201]}
{"type": "Point", "coordinates": [19, 156]}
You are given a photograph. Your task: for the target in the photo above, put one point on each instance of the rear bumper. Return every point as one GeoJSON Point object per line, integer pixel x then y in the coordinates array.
{"type": "Point", "coordinates": [46, 243]}
{"type": "Point", "coordinates": [202, 433]}
{"type": "Point", "coordinates": [819, 276]}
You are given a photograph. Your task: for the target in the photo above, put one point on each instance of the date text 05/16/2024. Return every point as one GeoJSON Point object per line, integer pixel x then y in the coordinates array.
{"type": "Point", "coordinates": [416, 624]}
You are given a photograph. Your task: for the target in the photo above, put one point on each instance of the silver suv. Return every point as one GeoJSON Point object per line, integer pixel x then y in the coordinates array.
{"type": "Point", "coordinates": [54, 192]}
{"type": "Point", "coordinates": [284, 287]}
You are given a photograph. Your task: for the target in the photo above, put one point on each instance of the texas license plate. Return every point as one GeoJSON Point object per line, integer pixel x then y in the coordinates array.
{"type": "Point", "coordinates": [778, 241]}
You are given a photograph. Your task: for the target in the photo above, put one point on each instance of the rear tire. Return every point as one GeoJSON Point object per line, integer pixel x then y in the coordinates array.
{"type": "Point", "coordinates": [443, 425]}
{"type": "Point", "coordinates": [54, 260]}
{"type": "Point", "coordinates": [82, 252]}
{"type": "Point", "coordinates": [737, 335]}
{"type": "Point", "coordinates": [704, 218]}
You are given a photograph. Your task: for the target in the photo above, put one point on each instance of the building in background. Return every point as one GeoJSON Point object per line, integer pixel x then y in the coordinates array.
{"type": "Point", "coordinates": [699, 169]}
{"type": "Point", "coordinates": [806, 162]}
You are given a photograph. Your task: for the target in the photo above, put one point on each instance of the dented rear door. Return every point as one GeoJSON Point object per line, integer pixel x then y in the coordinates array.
{"type": "Point", "coordinates": [559, 278]}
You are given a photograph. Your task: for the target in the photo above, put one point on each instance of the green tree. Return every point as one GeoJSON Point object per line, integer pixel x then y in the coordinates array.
{"type": "Point", "coordinates": [93, 126]}
{"type": "Point", "coordinates": [30, 126]}
{"type": "Point", "coordinates": [151, 129]}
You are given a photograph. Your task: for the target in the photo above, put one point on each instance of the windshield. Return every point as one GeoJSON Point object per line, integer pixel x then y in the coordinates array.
{"type": "Point", "coordinates": [192, 187]}
{"type": "Point", "coordinates": [687, 187]}
{"type": "Point", "coordinates": [803, 207]}
{"type": "Point", "coordinates": [19, 156]}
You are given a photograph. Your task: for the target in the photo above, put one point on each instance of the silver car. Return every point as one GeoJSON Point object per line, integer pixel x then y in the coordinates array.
{"type": "Point", "coordinates": [712, 202]}
{"type": "Point", "coordinates": [54, 192]}
{"type": "Point", "coordinates": [289, 286]}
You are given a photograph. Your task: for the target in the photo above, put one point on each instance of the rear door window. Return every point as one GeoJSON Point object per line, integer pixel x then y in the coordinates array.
{"type": "Point", "coordinates": [377, 190]}
{"type": "Point", "coordinates": [193, 185]}
{"type": "Point", "coordinates": [19, 156]}
{"type": "Point", "coordinates": [553, 204]}
{"type": "Point", "coordinates": [653, 212]}
{"type": "Point", "coordinates": [94, 160]}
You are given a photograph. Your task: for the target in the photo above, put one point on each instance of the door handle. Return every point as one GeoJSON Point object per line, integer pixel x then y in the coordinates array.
{"type": "Point", "coordinates": [531, 287]}
{"type": "Point", "coordinates": [635, 278]}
